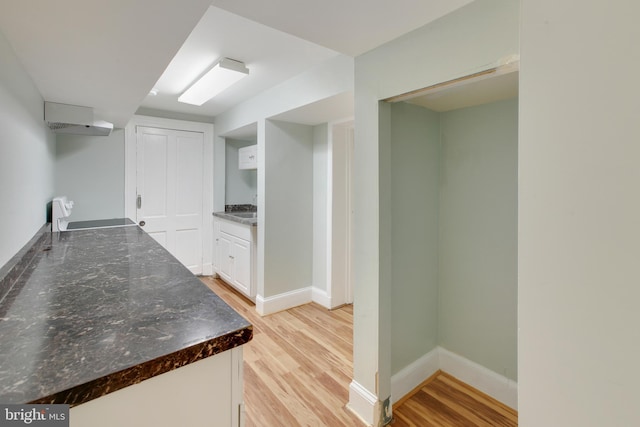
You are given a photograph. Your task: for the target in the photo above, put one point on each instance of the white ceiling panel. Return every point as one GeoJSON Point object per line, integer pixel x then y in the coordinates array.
{"type": "Point", "coordinates": [349, 27]}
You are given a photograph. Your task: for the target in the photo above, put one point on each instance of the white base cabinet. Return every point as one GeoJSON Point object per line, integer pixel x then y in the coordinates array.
{"type": "Point", "coordinates": [204, 393]}
{"type": "Point", "coordinates": [235, 255]}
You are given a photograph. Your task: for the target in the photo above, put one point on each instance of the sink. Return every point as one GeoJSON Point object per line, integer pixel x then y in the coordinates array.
{"type": "Point", "coordinates": [243, 214]}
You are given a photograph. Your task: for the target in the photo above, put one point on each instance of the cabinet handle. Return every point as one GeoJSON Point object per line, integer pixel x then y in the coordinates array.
{"type": "Point", "coordinates": [139, 201]}
{"type": "Point", "coordinates": [252, 157]}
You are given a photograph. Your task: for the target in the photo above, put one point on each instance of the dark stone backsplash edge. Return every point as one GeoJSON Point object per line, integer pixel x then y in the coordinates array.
{"type": "Point", "coordinates": [138, 373]}
{"type": "Point", "coordinates": [240, 208]}
{"type": "Point", "coordinates": [16, 266]}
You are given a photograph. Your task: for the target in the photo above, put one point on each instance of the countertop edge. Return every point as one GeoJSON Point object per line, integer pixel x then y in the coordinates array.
{"type": "Point", "coordinates": [135, 374]}
{"type": "Point", "coordinates": [245, 221]}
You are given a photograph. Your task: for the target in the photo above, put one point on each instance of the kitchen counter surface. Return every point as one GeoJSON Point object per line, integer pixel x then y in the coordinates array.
{"type": "Point", "coordinates": [241, 217]}
{"type": "Point", "coordinates": [93, 311]}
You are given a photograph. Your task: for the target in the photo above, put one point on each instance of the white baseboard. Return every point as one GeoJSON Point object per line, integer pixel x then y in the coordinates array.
{"type": "Point", "coordinates": [321, 297]}
{"type": "Point", "coordinates": [363, 404]}
{"type": "Point", "coordinates": [495, 385]}
{"type": "Point", "coordinates": [414, 374]}
{"type": "Point", "coordinates": [280, 302]}
{"type": "Point", "coordinates": [487, 381]}
{"type": "Point", "coordinates": [207, 269]}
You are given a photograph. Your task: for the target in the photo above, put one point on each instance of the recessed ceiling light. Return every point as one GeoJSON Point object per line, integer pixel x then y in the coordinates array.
{"type": "Point", "coordinates": [153, 92]}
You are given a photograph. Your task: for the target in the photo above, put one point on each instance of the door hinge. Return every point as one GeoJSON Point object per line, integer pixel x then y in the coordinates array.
{"type": "Point", "coordinates": [139, 202]}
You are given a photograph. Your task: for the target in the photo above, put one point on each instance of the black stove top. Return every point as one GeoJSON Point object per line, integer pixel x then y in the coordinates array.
{"type": "Point", "coordinates": [100, 223]}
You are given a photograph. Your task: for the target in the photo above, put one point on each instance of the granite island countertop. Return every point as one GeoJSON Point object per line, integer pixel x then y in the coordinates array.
{"type": "Point", "coordinates": [93, 311]}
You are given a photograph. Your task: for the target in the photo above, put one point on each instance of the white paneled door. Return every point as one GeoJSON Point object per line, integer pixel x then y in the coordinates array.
{"type": "Point", "coordinates": [169, 177]}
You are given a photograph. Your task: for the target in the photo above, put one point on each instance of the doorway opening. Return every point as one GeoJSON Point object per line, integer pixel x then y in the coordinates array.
{"type": "Point", "coordinates": [168, 186]}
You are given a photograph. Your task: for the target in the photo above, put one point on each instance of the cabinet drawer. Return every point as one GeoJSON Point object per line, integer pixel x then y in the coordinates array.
{"type": "Point", "coordinates": [237, 230]}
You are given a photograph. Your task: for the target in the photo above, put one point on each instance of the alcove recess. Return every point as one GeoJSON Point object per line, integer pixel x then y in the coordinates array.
{"type": "Point", "coordinates": [453, 153]}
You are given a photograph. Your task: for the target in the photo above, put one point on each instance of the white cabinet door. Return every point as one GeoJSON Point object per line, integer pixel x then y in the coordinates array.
{"type": "Point", "coordinates": [242, 265]}
{"type": "Point", "coordinates": [175, 398]}
{"type": "Point", "coordinates": [225, 246]}
{"type": "Point", "coordinates": [216, 250]}
{"type": "Point", "coordinates": [248, 157]}
{"type": "Point", "coordinates": [235, 253]}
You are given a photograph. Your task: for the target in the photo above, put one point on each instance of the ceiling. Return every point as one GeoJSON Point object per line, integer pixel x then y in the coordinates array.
{"type": "Point", "coordinates": [271, 56]}
{"type": "Point", "coordinates": [349, 27]}
{"type": "Point", "coordinates": [81, 52]}
{"type": "Point", "coordinates": [109, 55]}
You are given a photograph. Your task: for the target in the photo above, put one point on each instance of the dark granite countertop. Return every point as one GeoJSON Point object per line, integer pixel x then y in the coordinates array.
{"type": "Point", "coordinates": [89, 312]}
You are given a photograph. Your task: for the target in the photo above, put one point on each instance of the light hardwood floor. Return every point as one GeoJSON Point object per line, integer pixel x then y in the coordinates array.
{"type": "Point", "coordinates": [298, 367]}
{"type": "Point", "coordinates": [445, 401]}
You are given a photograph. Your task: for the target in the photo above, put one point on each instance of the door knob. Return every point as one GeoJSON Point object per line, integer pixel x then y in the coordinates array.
{"type": "Point", "coordinates": [141, 223]}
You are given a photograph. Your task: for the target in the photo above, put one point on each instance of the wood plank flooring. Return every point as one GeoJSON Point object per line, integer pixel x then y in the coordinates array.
{"type": "Point", "coordinates": [445, 401]}
{"type": "Point", "coordinates": [298, 367]}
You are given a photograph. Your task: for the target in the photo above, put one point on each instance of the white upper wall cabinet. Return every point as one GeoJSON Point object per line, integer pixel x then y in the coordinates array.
{"type": "Point", "coordinates": [248, 157]}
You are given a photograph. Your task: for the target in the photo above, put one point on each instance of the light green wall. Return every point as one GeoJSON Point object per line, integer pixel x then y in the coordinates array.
{"type": "Point", "coordinates": [241, 186]}
{"type": "Point", "coordinates": [90, 171]}
{"type": "Point", "coordinates": [288, 210]}
{"type": "Point", "coordinates": [454, 234]}
{"type": "Point", "coordinates": [27, 153]}
{"type": "Point", "coordinates": [478, 235]}
{"type": "Point", "coordinates": [415, 136]}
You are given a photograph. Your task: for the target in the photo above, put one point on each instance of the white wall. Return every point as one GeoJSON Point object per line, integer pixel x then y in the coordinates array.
{"type": "Point", "coordinates": [241, 186]}
{"type": "Point", "coordinates": [579, 214]}
{"type": "Point", "coordinates": [90, 171]}
{"type": "Point", "coordinates": [330, 78]}
{"type": "Point", "coordinates": [470, 39]}
{"type": "Point", "coordinates": [333, 77]}
{"type": "Point", "coordinates": [27, 151]}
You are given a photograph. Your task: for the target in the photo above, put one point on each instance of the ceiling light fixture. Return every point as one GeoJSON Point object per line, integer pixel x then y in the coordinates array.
{"type": "Point", "coordinates": [225, 73]}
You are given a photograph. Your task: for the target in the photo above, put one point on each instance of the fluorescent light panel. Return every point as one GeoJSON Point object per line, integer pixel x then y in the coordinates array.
{"type": "Point", "coordinates": [225, 73]}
